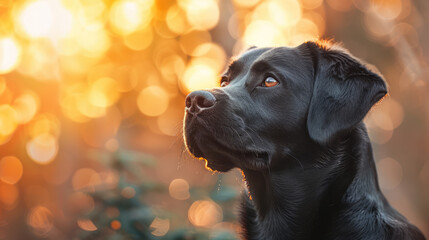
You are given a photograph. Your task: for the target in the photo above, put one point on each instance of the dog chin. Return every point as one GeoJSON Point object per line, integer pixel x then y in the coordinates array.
{"type": "Point", "coordinates": [218, 167]}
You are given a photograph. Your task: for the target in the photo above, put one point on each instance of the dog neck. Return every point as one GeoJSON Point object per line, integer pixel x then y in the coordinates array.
{"type": "Point", "coordinates": [299, 201]}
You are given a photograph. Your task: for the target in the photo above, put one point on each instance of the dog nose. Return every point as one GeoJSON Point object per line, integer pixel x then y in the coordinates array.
{"type": "Point", "coordinates": [198, 101]}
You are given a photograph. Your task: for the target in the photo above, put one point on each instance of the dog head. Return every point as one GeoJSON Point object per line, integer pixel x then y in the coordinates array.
{"type": "Point", "coordinates": [274, 102]}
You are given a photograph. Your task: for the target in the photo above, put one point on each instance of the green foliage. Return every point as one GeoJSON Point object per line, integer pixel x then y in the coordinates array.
{"type": "Point", "coordinates": [134, 212]}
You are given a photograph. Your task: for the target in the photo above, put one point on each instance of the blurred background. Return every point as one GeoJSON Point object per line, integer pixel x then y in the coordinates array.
{"type": "Point", "coordinates": [92, 100]}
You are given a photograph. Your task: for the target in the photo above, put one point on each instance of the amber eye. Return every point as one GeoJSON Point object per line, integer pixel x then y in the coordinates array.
{"type": "Point", "coordinates": [270, 82]}
{"type": "Point", "coordinates": [224, 81]}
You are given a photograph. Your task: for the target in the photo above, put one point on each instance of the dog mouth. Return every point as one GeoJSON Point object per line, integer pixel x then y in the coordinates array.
{"type": "Point", "coordinates": [219, 146]}
{"type": "Point", "coordinates": [220, 157]}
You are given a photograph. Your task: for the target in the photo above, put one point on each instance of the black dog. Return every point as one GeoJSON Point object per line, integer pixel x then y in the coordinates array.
{"type": "Point", "coordinates": [291, 120]}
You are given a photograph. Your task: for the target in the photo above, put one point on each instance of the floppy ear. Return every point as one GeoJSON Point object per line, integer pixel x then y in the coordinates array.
{"type": "Point", "coordinates": [344, 91]}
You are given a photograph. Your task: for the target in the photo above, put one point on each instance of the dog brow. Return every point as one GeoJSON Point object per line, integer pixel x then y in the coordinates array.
{"type": "Point", "coordinates": [234, 67]}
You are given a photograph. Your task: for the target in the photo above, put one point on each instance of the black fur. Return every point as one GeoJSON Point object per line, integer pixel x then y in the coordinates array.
{"type": "Point", "coordinates": [302, 145]}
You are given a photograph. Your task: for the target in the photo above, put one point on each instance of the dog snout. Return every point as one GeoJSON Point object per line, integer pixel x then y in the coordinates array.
{"type": "Point", "coordinates": [199, 101]}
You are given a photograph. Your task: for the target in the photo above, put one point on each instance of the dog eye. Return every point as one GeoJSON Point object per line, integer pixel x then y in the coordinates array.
{"type": "Point", "coordinates": [270, 82]}
{"type": "Point", "coordinates": [224, 84]}
{"type": "Point", "coordinates": [224, 81]}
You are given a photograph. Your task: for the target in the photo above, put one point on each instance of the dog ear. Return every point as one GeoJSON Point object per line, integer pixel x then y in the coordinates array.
{"type": "Point", "coordinates": [344, 91]}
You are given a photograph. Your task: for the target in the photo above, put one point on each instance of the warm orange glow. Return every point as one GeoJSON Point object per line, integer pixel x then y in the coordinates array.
{"type": "Point", "coordinates": [8, 120]}
{"type": "Point", "coordinates": [199, 75]}
{"type": "Point", "coordinates": [387, 9]}
{"type": "Point", "coordinates": [85, 83]}
{"type": "Point", "coordinates": [160, 226]}
{"type": "Point", "coordinates": [69, 101]}
{"type": "Point", "coordinates": [169, 123]}
{"type": "Point", "coordinates": [311, 4]}
{"type": "Point", "coordinates": [394, 114]}
{"type": "Point", "coordinates": [44, 123]}
{"type": "Point", "coordinates": [205, 213]}
{"type": "Point", "coordinates": [10, 54]}
{"type": "Point", "coordinates": [385, 118]}
{"type": "Point", "coordinates": [40, 219]}
{"type": "Point", "coordinates": [3, 85]}
{"type": "Point", "coordinates": [43, 148]}
{"type": "Point", "coordinates": [263, 34]}
{"type": "Point", "coordinates": [87, 109]}
{"type": "Point", "coordinates": [282, 13]}
{"type": "Point", "coordinates": [9, 195]}
{"type": "Point", "coordinates": [139, 40]}
{"type": "Point", "coordinates": [176, 19]}
{"type": "Point", "coordinates": [26, 106]}
{"type": "Point", "coordinates": [10, 169]}
{"type": "Point", "coordinates": [126, 16]}
{"type": "Point", "coordinates": [87, 225]}
{"type": "Point", "coordinates": [115, 225]}
{"type": "Point", "coordinates": [210, 54]}
{"type": "Point", "coordinates": [81, 202]}
{"type": "Point", "coordinates": [39, 61]}
{"type": "Point", "coordinates": [96, 41]}
{"type": "Point", "coordinates": [112, 145]}
{"type": "Point", "coordinates": [246, 3]}
{"type": "Point", "coordinates": [85, 179]}
{"type": "Point", "coordinates": [36, 19]}
{"type": "Point", "coordinates": [4, 139]}
{"type": "Point", "coordinates": [192, 39]}
{"type": "Point", "coordinates": [153, 101]}
{"type": "Point", "coordinates": [340, 5]}
{"type": "Point", "coordinates": [103, 92]}
{"type": "Point", "coordinates": [206, 165]}
{"type": "Point", "coordinates": [179, 189]}
{"type": "Point", "coordinates": [202, 15]}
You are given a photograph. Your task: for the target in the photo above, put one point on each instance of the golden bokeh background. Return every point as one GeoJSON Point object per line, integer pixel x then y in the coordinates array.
{"type": "Point", "coordinates": [84, 80]}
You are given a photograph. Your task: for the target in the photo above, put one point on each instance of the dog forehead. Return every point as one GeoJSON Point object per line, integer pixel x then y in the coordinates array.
{"type": "Point", "coordinates": [252, 54]}
{"type": "Point", "coordinates": [284, 56]}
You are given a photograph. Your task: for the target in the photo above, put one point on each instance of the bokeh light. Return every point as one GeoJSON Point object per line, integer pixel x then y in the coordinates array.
{"type": "Point", "coordinates": [179, 189]}
{"type": "Point", "coordinates": [199, 75]}
{"type": "Point", "coordinates": [103, 92]}
{"type": "Point", "coordinates": [263, 33]}
{"type": "Point", "coordinates": [160, 226]}
{"type": "Point", "coordinates": [153, 101]}
{"type": "Point", "coordinates": [43, 148]}
{"type": "Point", "coordinates": [92, 97]}
{"type": "Point", "coordinates": [86, 224]}
{"type": "Point", "coordinates": [26, 106]}
{"type": "Point", "coordinates": [10, 169]}
{"type": "Point", "coordinates": [246, 3]}
{"type": "Point", "coordinates": [85, 179]}
{"type": "Point", "coordinates": [8, 120]}
{"type": "Point", "coordinates": [115, 225]}
{"type": "Point", "coordinates": [128, 192]}
{"type": "Point", "coordinates": [10, 54]}
{"type": "Point", "coordinates": [205, 213]}
{"type": "Point", "coordinates": [176, 19]}
{"type": "Point", "coordinates": [127, 16]}
{"type": "Point", "coordinates": [36, 19]}
{"type": "Point", "coordinates": [202, 15]}
{"type": "Point", "coordinates": [40, 219]}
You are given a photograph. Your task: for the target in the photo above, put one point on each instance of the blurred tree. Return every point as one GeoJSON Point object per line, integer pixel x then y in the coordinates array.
{"type": "Point", "coordinates": [124, 211]}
